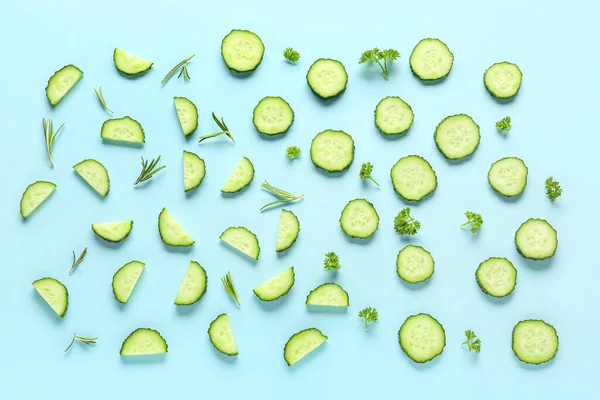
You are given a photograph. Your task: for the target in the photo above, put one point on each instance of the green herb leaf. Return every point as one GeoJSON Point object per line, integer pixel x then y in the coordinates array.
{"type": "Point", "coordinates": [100, 96]}
{"type": "Point", "coordinates": [472, 341]}
{"type": "Point", "coordinates": [82, 339]}
{"type": "Point", "coordinates": [77, 261]}
{"type": "Point", "coordinates": [332, 262]}
{"type": "Point", "coordinates": [148, 170]}
{"type": "Point", "coordinates": [291, 55]}
{"type": "Point", "coordinates": [365, 172]}
{"type": "Point", "coordinates": [50, 136]}
{"type": "Point", "coordinates": [293, 152]}
{"type": "Point", "coordinates": [503, 124]}
{"type": "Point", "coordinates": [553, 189]}
{"type": "Point", "coordinates": [229, 286]}
{"type": "Point", "coordinates": [286, 197]}
{"type": "Point", "coordinates": [404, 224]}
{"type": "Point", "coordinates": [224, 130]}
{"type": "Point", "coordinates": [378, 56]}
{"type": "Point", "coordinates": [370, 315]}
{"type": "Point", "coordinates": [184, 70]}
{"type": "Point", "coordinates": [474, 220]}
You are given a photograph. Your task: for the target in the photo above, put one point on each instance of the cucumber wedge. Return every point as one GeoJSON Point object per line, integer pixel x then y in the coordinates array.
{"type": "Point", "coordinates": [194, 170]}
{"type": "Point", "coordinates": [413, 178]}
{"type": "Point", "coordinates": [54, 293]}
{"type": "Point", "coordinates": [496, 276]}
{"type": "Point", "coordinates": [113, 231]}
{"type": "Point", "coordinates": [273, 116]}
{"type": "Point", "coordinates": [414, 264]}
{"type": "Point", "coordinates": [35, 195]}
{"type": "Point", "coordinates": [143, 342]}
{"type": "Point", "coordinates": [62, 82]}
{"type": "Point", "coordinates": [332, 150]}
{"type": "Point", "coordinates": [422, 338]}
{"type": "Point", "coordinates": [95, 174]}
{"type": "Point", "coordinates": [457, 136]}
{"type": "Point", "coordinates": [276, 287]}
{"type": "Point", "coordinates": [193, 286]}
{"type": "Point", "coordinates": [508, 176]}
{"type": "Point", "coordinates": [328, 294]}
{"type": "Point", "coordinates": [431, 60]}
{"type": "Point", "coordinates": [241, 177]}
{"type": "Point", "coordinates": [393, 116]}
{"type": "Point", "coordinates": [327, 78]}
{"type": "Point", "coordinates": [125, 279]}
{"type": "Point", "coordinates": [359, 219]}
{"type": "Point", "coordinates": [242, 50]}
{"type": "Point", "coordinates": [243, 240]}
{"type": "Point", "coordinates": [221, 336]}
{"type": "Point", "coordinates": [124, 129]}
{"type": "Point", "coordinates": [130, 64]}
{"type": "Point", "coordinates": [171, 231]}
{"type": "Point", "coordinates": [300, 344]}
{"type": "Point", "coordinates": [187, 113]}
{"type": "Point", "coordinates": [503, 80]}
{"type": "Point", "coordinates": [534, 341]}
{"type": "Point", "coordinates": [536, 239]}
{"type": "Point", "coordinates": [289, 228]}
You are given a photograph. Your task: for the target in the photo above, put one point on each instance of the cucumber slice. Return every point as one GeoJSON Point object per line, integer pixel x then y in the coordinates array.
{"type": "Point", "coordinates": [113, 231]}
{"type": "Point", "coordinates": [422, 338]}
{"type": "Point", "coordinates": [95, 174]}
{"type": "Point", "coordinates": [242, 50]}
{"type": "Point", "coordinates": [332, 150]}
{"type": "Point", "coordinates": [503, 80]}
{"type": "Point", "coordinates": [241, 177]}
{"type": "Point", "coordinates": [187, 113]}
{"type": "Point", "coordinates": [171, 231]}
{"type": "Point", "coordinates": [457, 136]}
{"type": "Point", "coordinates": [243, 240]}
{"type": "Point", "coordinates": [62, 82]}
{"type": "Point", "coordinates": [431, 60]}
{"type": "Point", "coordinates": [34, 195]}
{"type": "Point", "coordinates": [193, 286]}
{"type": "Point", "coordinates": [221, 336]}
{"type": "Point", "coordinates": [536, 239]}
{"type": "Point", "coordinates": [54, 293]}
{"type": "Point", "coordinates": [272, 116]}
{"type": "Point", "coordinates": [194, 170]}
{"type": "Point", "coordinates": [327, 78]}
{"type": "Point", "coordinates": [413, 178]}
{"type": "Point", "coordinates": [130, 64]}
{"type": "Point", "coordinates": [359, 219]}
{"type": "Point", "coordinates": [496, 276]}
{"type": "Point", "coordinates": [289, 228]}
{"type": "Point", "coordinates": [414, 264]}
{"type": "Point", "coordinates": [302, 343]}
{"type": "Point", "coordinates": [143, 342]}
{"type": "Point", "coordinates": [124, 129]}
{"type": "Point", "coordinates": [276, 287]}
{"type": "Point", "coordinates": [328, 294]}
{"type": "Point", "coordinates": [508, 176]}
{"type": "Point", "coordinates": [125, 279]}
{"type": "Point", "coordinates": [534, 341]}
{"type": "Point", "coordinates": [393, 116]}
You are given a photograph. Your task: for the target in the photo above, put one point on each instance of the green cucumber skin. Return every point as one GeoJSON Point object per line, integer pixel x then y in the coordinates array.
{"type": "Point", "coordinates": [296, 238]}
{"type": "Point", "coordinates": [203, 292]}
{"type": "Point", "coordinates": [526, 177]}
{"type": "Point", "coordinates": [163, 239]}
{"type": "Point", "coordinates": [195, 108]}
{"type": "Point", "coordinates": [327, 283]}
{"type": "Point", "coordinates": [335, 95]}
{"type": "Point", "coordinates": [211, 342]}
{"type": "Point", "coordinates": [492, 93]}
{"type": "Point", "coordinates": [28, 186]}
{"type": "Point", "coordinates": [488, 293]}
{"type": "Point", "coordinates": [273, 134]}
{"type": "Point", "coordinates": [249, 182]}
{"type": "Point", "coordinates": [396, 133]}
{"type": "Point", "coordinates": [423, 197]}
{"type": "Point", "coordinates": [376, 214]}
{"type": "Point", "coordinates": [431, 80]}
{"type": "Point", "coordinates": [125, 73]}
{"type": "Point", "coordinates": [283, 294]}
{"type": "Point", "coordinates": [48, 83]}
{"type": "Point", "coordinates": [404, 350]}
{"type": "Point", "coordinates": [259, 61]}
{"type": "Point", "coordinates": [534, 320]}
{"type": "Point", "coordinates": [249, 231]}
{"type": "Point", "coordinates": [294, 335]}
{"type": "Point", "coordinates": [145, 329]}
{"type": "Point", "coordinates": [534, 258]}
{"type": "Point", "coordinates": [113, 241]}
{"type": "Point", "coordinates": [125, 117]}
{"type": "Point", "coordinates": [61, 315]}
{"type": "Point", "coordinates": [332, 171]}
{"type": "Point", "coordinates": [438, 145]}
{"type": "Point", "coordinates": [414, 282]}
{"type": "Point", "coordinates": [108, 176]}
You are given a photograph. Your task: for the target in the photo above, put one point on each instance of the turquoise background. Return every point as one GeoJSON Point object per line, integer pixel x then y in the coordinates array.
{"type": "Point", "coordinates": [554, 131]}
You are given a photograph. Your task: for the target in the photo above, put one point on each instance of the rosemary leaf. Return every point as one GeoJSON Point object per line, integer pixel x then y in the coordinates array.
{"type": "Point", "coordinates": [148, 170]}
{"type": "Point", "coordinates": [224, 130]}
{"type": "Point", "coordinates": [229, 286]}
{"type": "Point", "coordinates": [77, 261]}
{"type": "Point", "coordinates": [50, 136]}
{"type": "Point", "coordinates": [100, 96]}
{"type": "Point", "coordinates": [286, 197]}
{"type": "Point", "coordinates": [82, 339]}
{"type": "Point", "coordinates": [184, 70]}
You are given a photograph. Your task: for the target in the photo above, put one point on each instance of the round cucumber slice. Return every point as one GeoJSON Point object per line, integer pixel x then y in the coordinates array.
{"type": "Point", "coordinates": [536, 239]}
{"type": "Point", "coordinates": [359, 219]}
{"type": "Point", "coordinates": [221, 336]}
{"type": "Point", "coordinates": [431, 60]}
{"type": "Point", "coordinates": [328, 294]}
{"type": "Point", "coordinates": [276, 287]}
{"type": "Point", "coordinates": [508, 176]}
{"type": "Point", "coordinates": [302, 343]}
{"type": "Point", "coordinates": [125, 279]}
{"type": "Point", "coordinates": [457, 136]}
{"type": "Point", "coordinates": [34, 195]}
{"type": "Point", "coordinates": [534, 341]}
{"type": "Point", "coordinates": [327, 78]}
{"type": "Point", "coordinates": [413, 178]}
{"type": "Point", "coordinates": [130, 64]}
{"type": "Point", "coordinates": [54, 293]}
{"type": "Point", "coordinates": [143, 342]}
{"type": "Point", "coordinates": [414, 264]}
{"type": "Point", "coordinates": [273, 116]}
{"type": "Point", "coordinates": [113, 231]}
{"type": "Point", "coordinates": [332, 150]}
{"type": "Point", "coordinates": [187, 113]}
{"type": "Point", "coordinates": [194, 170]}
{"type": "Point", "coordinates": [242, 50]}
{"type": "Point", "coordinates": [422, 338]}
{"type": "Point", "coordinates": [95, 174]}
{"type": "Point", "coordinates": [193, 286]}
{"type": "Point", "coordinates": [496, 276]}
{"type": "Point", "coordinates": [393, 116]}
{"type": "Point", "coordinates": [503, 80]}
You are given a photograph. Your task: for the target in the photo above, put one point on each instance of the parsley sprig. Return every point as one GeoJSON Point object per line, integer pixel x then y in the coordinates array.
{"type": "Point", "coordinates": [378, 56]}
{"type": "Point", "coordinates": [405, 224]}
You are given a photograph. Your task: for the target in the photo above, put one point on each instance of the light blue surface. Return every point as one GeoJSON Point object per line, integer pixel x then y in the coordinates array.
{"type": "Point", "coordinates": [554, 131]}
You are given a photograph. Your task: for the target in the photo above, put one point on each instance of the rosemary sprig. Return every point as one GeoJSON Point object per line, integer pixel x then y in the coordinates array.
{"type": "Point", "coordinates": [82, 339]}
{"type": "Point", "coordinates": [77, 261]}
{"type": "Point", "coordinates": [184, 70]}
{"type": "Point", "coordinates": [224, 130]}
{"type": "Point", "coordinates": [285, 196]}
{"type": "Point", "coordinates": [148, 170]}
{"type": "Point", "coordinates": [230, 287]}
{"type": "Point", "coordinates": [50, 136]}
{"type": "Point", "coordinates": [100, 96]}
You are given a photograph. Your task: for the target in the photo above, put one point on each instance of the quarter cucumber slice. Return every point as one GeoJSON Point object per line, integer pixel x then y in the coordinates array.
{"type": "Point", "coordinates": [273, 116]}
{"type": "Point", "coordinates": [243, 240]}
{"type": "Point", "coordinates": [130, 64]}
{"type": "Point", "coordinates": [300, 344]}
{"type": "Point", "coordinates": [328, 294]}
{"type": "Point", "coordinates": [327, 78]}
{"type": "Point", "coordinates": [503, 80]}
{"type": "Point", "coordinates": [54, 293]}
{"type": "Point", "coordinates": [193, 286]}
{"type": "Point", "coordinates": [187, 113]}
{"type": "Point", "coordinates": [62, 82]}
{"type": "Point", "coordinates": [422, 338]}
{"type": "Point", "coordinates": [289, 228]}
{"type": "Point", "coordinates": [113, 231]}
{"type": "Point", "coordinates": [35, 195]}
{"type": "Point", "coordinates": [413, 178]}
{"type": "Point", "coordinates": [431, 60]}
{"type": "Point", "coordinates": [508, 176]}
{"type": "Point", "coordinates": [393, 116]}
{"type": "Point", "coordinates": [534, 341]}
{"type": "Point", "coordinates": [457, 136]}
{"type": "Point", "coordinates": [276, 287]}
{"type": "Point", "coordinates": [221, 336]}
{"type": "Point", "coordinates": [536, 239]}
{"type": "Point", "coordinates": [125, 279]}
{"type": "Point", "coordinates": [171, 231]}
{"type": "Point", "coordinates": [242, 50]}
{"type": "Point", "coordinates": [124, 129]}
{"type": "Point", "coordinates": [414, 264]}
{"type": "Point", "coordinates": [332, 150]}
{"type": "Point", "coordinates": [496, 276]}
{"type": "Point", "coordinates": [241, 177]}
{"type": "Point", "coordinates": [194, 170]}
{"type": "Point", "coordinates": [359, 219]}
{"type": "Point", "coordinates": [95, 174]}
{"type": "Point", "coordinates": [143, 342]}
